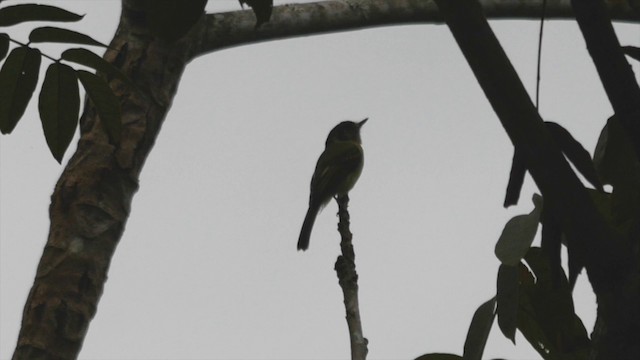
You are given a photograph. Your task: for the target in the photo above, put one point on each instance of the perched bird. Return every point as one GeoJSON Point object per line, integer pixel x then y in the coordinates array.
{"type": "Point", "coordinates": [337, 170]}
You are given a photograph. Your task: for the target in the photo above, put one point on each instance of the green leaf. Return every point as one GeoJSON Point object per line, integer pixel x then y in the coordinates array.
{"type": "Point", "coordinates": [106, 103]}
{"type": "Point", "coordinates": [58, 106]}
{"type": "Point", "coordinates": [575, 152]}
{"type": "Point", "coordinates": [58, 35]}
{"type": "Point", "coordinates": [518, 234]}
{"type": "Point", "coordinates": [16, 14]}
{"type": "Point", "coordinates": [4, 45]}
{"type": "Point", "coordinates": [507, 300]}
{"type": "Point", "coordinates": [479, 330]}
{"type": "Point", "coordinates": [439, 356]}
{"type": "Point", "coordinates": [170, 20]}
{"type": "Point", "coordinates": [18, 79]}
{"type": "Point", "coordinates": [89, 59]}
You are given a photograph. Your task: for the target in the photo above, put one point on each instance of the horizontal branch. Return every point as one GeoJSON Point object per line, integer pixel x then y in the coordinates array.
{"type": "Point", "coordinates": [227, 29]}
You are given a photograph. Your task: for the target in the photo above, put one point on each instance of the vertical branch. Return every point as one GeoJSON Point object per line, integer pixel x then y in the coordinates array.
{"type": "Point", "coordinates": [588, 235]}
{"type": "Point", "coordinates": [348, 278]}
{"type": "Point", "coordinates": [617, 327]}
{"type": "Point", "coordinates": [610, 260]}
{"type": "Point", "coordinates": [615, 72]}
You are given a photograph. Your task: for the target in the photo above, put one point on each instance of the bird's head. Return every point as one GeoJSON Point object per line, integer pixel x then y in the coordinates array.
{"type": "Point", "coordinates": [346, 131]}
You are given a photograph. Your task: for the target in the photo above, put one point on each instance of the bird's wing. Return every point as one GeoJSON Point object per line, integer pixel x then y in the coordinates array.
{"type": "Point", "coordinates": [334, 172]}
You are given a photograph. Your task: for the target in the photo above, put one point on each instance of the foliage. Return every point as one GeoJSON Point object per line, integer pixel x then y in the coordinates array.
{"type": "Point", "coordinates": [59, 99]}
{"type": "Point", "coordinates": [58, 102]}
{"type": "Point", "coordinates": [58, 106]}
{"type": "Point", "coordinates": [533, 294]}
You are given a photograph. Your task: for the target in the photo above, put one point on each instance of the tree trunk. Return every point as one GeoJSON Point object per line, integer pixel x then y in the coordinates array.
{"type": "Point", "coordinates": [92, 199]}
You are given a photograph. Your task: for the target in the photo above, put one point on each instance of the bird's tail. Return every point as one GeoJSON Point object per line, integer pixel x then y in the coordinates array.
{"type": "Point", "coordinates": [307, 225]}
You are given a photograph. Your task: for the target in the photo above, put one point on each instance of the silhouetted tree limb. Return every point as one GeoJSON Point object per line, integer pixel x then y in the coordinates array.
{"type": "Point", "coordinates": [611, 262]}
{"type": "Point", "coordinates": [348, 278]}
{"type": "Point", "coordinates": [615, 72]}
{"type": "Point", "coordinates": [237, 27]}
{"type": "Point", "coordinates": [617, 327]}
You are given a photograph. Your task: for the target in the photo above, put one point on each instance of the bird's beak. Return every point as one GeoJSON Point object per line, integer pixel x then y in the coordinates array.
{"type": "Point", "coordinates": [362, 122]}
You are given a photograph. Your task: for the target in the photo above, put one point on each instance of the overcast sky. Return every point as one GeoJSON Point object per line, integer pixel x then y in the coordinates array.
{"type": "Point", "coordinates": [208, 268]}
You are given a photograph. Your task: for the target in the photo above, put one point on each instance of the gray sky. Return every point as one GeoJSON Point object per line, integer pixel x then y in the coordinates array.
{"type": "Point", "coordinates": [208, 268]}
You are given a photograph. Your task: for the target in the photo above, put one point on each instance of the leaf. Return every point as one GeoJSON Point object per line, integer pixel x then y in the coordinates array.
{"type": "Point", "coordinates": [18, 79]}
{"type": "Point", "coordinates": [106, 103]}
{"type": "Point", "coordinates": [170, 20]}
{"type": "Point", "coordinates": [632, 51]}
{"type": "Point", "coordinates": [575, 152]}
{"type": "Point", "coordinates": [614, 157]}
{"type": "Point", "coordinates": [89, 59]}
{"type": "Point", "coordinates": [4, 45]}
{"type": "Point", "coordinates": [516, 179]}
{"type": "Point", "coordinates": [439, 356]}
{"type": "Point", "coordinates": [16, 14]}
{"type": "Point", "coordinates": [479, 330]}
{"type": "Point", "coordinates": [518, 234]}
{"type": "Point", "coordinates": [604, 203]}
{"type": "Point", "coordinates": [617, 164]}
{"type": "Point", "coordinates": [58, 35]}
{"type": "Point", "coordinates": [527, 319]}
{"type": "Point", "coordinates": [58, 106]}
{"type": "Point", "coordinates": [552, 243]}
{"type": "Point", "coordinates": [507, 301]}
{"type": "Point", "coordinates": [547, 318]}
{"type": "Point", "coordinates": [261, 8]}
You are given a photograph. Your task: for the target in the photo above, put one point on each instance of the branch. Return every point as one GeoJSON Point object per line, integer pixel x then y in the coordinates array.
{"type": "Point", "coordinates": [603, 252]}
{"type": "Point", "coordinates": [348, 278]}
{"type": "Point", "coordinates": [235, 28]}
{"type": "Point", "coordinates": [609, 260]}
{"type": "Point", "coordinates": [615, 72]}
{"type": "Point", "coordinates": [617, 327]}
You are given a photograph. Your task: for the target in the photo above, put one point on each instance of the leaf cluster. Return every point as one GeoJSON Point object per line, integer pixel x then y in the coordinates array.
{"type": "Point", "coordinates": [533, 294]}
{"type": "Point", "coordinates": [59, 100]}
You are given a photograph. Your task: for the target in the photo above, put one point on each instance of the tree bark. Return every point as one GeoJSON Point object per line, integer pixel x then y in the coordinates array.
{"type": "Point", "coordinates": [237, 27]}
{"type": "Point", "coordinates": [92, 199]}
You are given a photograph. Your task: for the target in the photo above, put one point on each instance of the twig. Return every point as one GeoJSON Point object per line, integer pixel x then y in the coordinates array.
{"type": "Point", "coordinates": [348, 278]}
{"type": "Point", "coordinates": [544, 8]}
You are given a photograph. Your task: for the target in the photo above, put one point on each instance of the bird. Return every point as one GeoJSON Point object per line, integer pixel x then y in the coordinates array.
{"type": "Point", "coordinates": [336, 172]}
